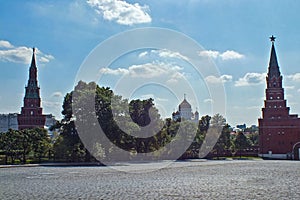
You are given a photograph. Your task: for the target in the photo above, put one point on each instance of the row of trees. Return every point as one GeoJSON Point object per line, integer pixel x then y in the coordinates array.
{"type": "Point", "coordinates": [33, 144]}
{"type": "Point", "coordinates": [134, 127]}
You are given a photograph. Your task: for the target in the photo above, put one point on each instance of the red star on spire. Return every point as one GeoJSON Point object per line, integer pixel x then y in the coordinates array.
{"type": "Point", "coordinates": [272, 38]}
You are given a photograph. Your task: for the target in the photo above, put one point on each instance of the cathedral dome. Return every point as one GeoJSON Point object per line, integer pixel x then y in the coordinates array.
{"type": "Point", "coordinates": [184, 104]}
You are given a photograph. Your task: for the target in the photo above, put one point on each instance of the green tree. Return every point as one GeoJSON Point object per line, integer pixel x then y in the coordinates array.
{"type": "Point", "coordinates": [41, 142]}
{"type": "Point", "coordinates": [241, 142]}
{"type": "Point", "coordinates": [212, 135]}
{"type": "Point", "coordinates": [118, 119]}
{"type": "Point", "coordinates": [189, 136]}
{"type": "Point", "coordinates": [202, 127]}
{"type": "Point", "coordinates": [10, 146]}
{"type": "Point", "coordinates": [204, 123]}
{"type": "Point", "coordinates": [24, 141]}
{"type": "Point", "coordinates": [68, 145]}
{"type": "Point", "coordinates": [223, 143]}
{"type": "Point", "coordinates": [253, 138]}
{"type": "Point", "coordinates": [19, 144]}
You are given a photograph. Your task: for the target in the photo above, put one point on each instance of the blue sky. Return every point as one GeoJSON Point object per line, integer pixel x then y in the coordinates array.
{"type": "Point", "coordinates": [234, 35]}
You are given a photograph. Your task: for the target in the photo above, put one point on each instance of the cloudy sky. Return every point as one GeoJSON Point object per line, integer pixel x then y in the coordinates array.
{"type": "Point", "coordinates": [233, 36]}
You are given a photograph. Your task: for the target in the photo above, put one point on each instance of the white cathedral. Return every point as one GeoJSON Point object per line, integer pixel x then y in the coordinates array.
{"type": "Point", "coordinates": [185, 112]}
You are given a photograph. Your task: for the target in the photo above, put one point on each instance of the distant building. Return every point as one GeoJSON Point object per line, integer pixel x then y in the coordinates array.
{"type": "Point", "coordinates": [236, 130]}
{"type": "Point", "coordinates": [254, 127]}
{"type": "Point", "coordinates": [8, 121]}
{"type": "Point", "coordinates": [50, 121]}
{"type": "Point", "coordinates": [242, 126]}
{"type": "Point", "coordinates": [279, 131]}
{"type": "Point", "coordinates": [185, 112]}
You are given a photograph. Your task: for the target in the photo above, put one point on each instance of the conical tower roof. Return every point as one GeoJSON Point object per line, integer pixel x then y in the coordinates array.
{"type": "Point", "coordinates": [273, 64]}
{"type": "Point", "coordinates": [32, 89]}
{"type": "Point", "coordinates": [33, 62]}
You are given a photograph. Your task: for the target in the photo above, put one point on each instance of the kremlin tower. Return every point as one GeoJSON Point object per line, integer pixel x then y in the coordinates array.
{"type": "Point", "coordinates": [279, 131]}
{"type": "Point", "coordinates": [32, 113]}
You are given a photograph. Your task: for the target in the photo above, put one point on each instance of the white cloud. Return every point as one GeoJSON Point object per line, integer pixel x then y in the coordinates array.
{"type": "Point", "coordinates": [17, 55]}
{"type": "Point", "coordinates": [251, 79]}
{"type": "Point", "coordinates": [294, 77]}
{"type": "Point", "coordinates": [208, 100]}
{"type": "Point", "coordinates": [21, 54]}
{"type": "Point", "coordinates": [51, 104]}
{"type": "Point", "coordinates": [221, 79]}
{"type": "Point", "coordinates": [143, 54]}
{"type": "Point", "coordinates": [227, 55]}
{"type": "Point", "coordinates": [151, 70]}
{"type": "Point", "coordinates": [5, 44]}
{"type": "Point", "coordinates": [118, 71]}
{"type": "Point", "coordinates": [45, 58]}
{"type": "Point", "coordinates": [176, 77]}
{"type": "Point", "coordinates": [172, 73]}
{"type": "Point", "coordinates": [231, 55]}
{"type": "Point", "coordinates": [121, 12]}
{"type": "Point", "coordinates": [165, 53]}
{"type": "Point", "coordinates": [209, 53]}
{"type": "Point", "coordinates": [57, 94]}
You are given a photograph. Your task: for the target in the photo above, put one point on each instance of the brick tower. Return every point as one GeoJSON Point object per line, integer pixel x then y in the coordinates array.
{"type": "Point", "coordinates": [279, 131]}
{"type": "Point", "coordinates": [32, 113]}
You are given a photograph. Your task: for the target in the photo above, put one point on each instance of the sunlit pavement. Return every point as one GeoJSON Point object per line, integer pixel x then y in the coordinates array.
{"type": "Point", "coordinates": [195, 179]}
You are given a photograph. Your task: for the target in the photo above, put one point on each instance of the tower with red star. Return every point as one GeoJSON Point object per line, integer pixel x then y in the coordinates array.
{"type": "Point", "coordinates": [279, 131]}
{"type": "Point", "coordinates": [32, 113]}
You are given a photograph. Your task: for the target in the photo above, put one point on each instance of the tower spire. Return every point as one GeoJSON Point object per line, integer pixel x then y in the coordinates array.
{"type": "Point", "coordinates": [33, 62]}
{"type": "Point", "coordinates": [273, 64]}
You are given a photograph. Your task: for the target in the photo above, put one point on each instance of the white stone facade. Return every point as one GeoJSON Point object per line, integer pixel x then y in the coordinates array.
{"type": "Point", "coordinates": [185, 112]}
{"type": "Point", "coordinates": [8, 121]}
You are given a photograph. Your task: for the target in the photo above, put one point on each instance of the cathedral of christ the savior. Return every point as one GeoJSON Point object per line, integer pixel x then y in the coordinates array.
{"type": "Point", "coordinates": [185, 112]}
{"type": "Point", "coordinates": [279, 131]}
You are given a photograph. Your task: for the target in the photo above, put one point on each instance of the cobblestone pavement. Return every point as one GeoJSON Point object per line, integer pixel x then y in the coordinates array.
{"type": "Point", "coordinates": [180, 180]}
